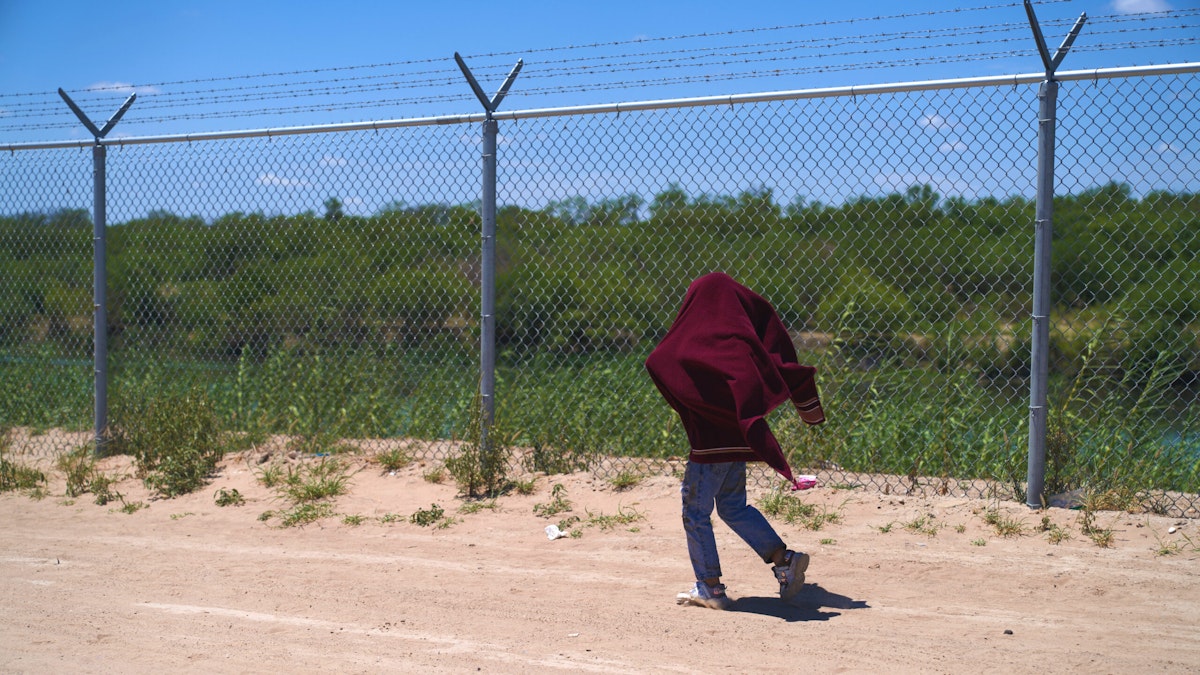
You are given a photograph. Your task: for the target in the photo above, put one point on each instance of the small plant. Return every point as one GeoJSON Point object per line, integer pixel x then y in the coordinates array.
{"type": "Point", "coordinates": [325, 479]}
{"type": "Point", "coordinates": [477, 506]}
{"type": "Point", "coordinates": [777, 503]}
{"type": "Point", "coordinates": [232, 497]}
{"type": "Point", "coordinates": [305, 513]}
{"type": "Point", "coordinates": [481, 465]}
{"type": "Point", "coordinates": [625, 480]}
{"type": "Point", "coordinates": [270, 476]}
{"type": "Point", "coordinates": [558, 503]}
{"type": "Point", "coordinates": [1092, 502]}
{"type": "Point", "coordinates": [436, 475]}
{"type": "Point", "coordinates": [525, 487]}
{"type": "Point", "coordinates": [623, 516]}
{"type": "Point", "coordinates": [427, 517]}
{"type": "Point", "coordinates": [394, 459]}
{"type": "Point", "coordinates": [924, 524]}
{"type": "Point", "coordinates": [960, 528]}
{"type": "Point", "coordinates": [1004, 526]}
{"type": "Point", "coordinates": [309, 490]}
{"type": "Point", "coordinates": [15, 476]}
{"type": "Point", "coordinates": [828, 542]}
{"type": "Point", "coordinates": [176, 440]}
{"type": "Point", "coordinates": [101, 487]}
{"type": "Point", "coordinates": [353, 520]}
{"type": "Point", "coordinates": [132, 507]}
{"type": "Point", "coordinates": [77, 467]}
{"type": "Point", "coordinates": [885, 528]}
{"type": "Point", "coordinates": [979, 542]}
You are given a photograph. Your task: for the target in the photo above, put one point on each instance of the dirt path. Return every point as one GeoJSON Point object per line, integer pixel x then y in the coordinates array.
{"type": "Point", "coordinates": [185, 585]}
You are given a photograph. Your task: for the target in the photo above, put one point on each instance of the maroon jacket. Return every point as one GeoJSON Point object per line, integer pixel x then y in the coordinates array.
{"type": "Point", "coordinates": [725, 363]}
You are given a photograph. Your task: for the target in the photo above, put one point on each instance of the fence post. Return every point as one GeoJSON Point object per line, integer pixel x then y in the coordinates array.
{"type": "Point", "coordinates": [100, 294]}
{"type": "Point", "coordinates": [99, 265]}
{"type": "Point", "coordinates": [1043, 231]}
{"type": "Point", "coordinates": [487, 266]}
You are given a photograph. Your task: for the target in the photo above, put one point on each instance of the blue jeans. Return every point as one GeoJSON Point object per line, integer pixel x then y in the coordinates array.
{"type": "Point", "coordinates": [722, 485]}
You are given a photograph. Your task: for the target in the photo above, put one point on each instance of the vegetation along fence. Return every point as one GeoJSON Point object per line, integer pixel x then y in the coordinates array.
{"type": "Point", "coordinates": [331, 284]}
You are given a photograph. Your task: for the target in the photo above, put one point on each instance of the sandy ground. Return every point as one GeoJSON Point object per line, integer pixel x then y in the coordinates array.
{"type": "Point", "coordinates": [184, 585]}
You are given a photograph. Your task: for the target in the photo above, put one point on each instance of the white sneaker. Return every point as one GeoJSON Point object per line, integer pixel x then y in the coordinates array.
{"type": "Point", "coordinates": [791, 574]}
{"type": "Point", "coordinates": [703, 595]}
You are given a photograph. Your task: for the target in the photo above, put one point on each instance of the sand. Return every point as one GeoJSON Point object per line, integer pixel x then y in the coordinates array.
{"type": "Point", "coordinates": [897, 584]}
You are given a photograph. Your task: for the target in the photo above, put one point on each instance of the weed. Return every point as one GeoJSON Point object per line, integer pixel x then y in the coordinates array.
{"type": "Point", "coordinates": [427, 517]}
{"type": "Point", "coordinates": [101, 487]}
{"type": "Point", "coordinates": [353, 520]}
{"type": "Point", "coordinates": [1093, 501]}
{"type": "Point", "coordinates": [132, 507]}
{"type": "Point", "coordinates": [232, 497]}
{"type": "Point", "coordinates": [394, 459]}
{"type": "Point", "coordinates": [181, 516]}
{"type": "Point", "coordinates": [481, 464]}
{"type": "Point", "coordinates": [1003, 525]}
{"type": "Point", "coordinates": [389, 518]}
{"type": "Point", "coordinates": [558, 503]}
{"type": "Point", "coordinates": [777, 503]}
{"type": "Point", "coordinates": [566, 523]}
{"type": "Point", "coordinates": [623, 516]}
{"type": "Point", "coordinates": [270, 476]}
{"type": "Point", "coordinates": [325, 479]}
{"type": "Point", "coordinates": [525, 487]}
{"type": "Point", "coordinates": [625, 480]}
{"type": "Point", "coordinates": [960, 528]}
{"type": "Point", "coordinates": [77, 467]}
{"type": "Point", "coordinates": [309, 490]}
{"type": "Point", "coordinates": [15, 476]}
{"type": "Point", "coordinates": [885, 528]}
{"type": "Point", "coordinates": [1057, 535]}
{"type": "Point", "coordinates": [175, 439]}
{"type": "Point", "coordinates": [477, 506]}
{"type": "Point", "coordinates": [979, 542]}
{"type": "Point", "coordinates": [828, 542]}
{"type": "Point", "coordinates": [436, 475]}
{"type": "Point", "coordinates": [304, 513]}
{"type": "Point", "coordinates": [923, 524]}
{"type": "Point", "coordinates": [846, 486]}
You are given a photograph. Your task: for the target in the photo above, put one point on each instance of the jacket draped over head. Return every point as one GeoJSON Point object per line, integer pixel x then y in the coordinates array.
{"type": "Point", "coordinates": [726, 362]}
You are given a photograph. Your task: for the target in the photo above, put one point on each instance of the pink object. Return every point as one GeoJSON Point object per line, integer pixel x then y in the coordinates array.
{"type": "Point", "coordinates": [804, 483]}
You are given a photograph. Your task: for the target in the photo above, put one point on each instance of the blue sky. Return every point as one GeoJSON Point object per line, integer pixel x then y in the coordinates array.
{"type": "Point", "coordinates": [103, 51]}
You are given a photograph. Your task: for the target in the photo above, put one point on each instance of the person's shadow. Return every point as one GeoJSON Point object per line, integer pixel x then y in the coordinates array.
{"type": "Point", "coordinates": [809, 605]}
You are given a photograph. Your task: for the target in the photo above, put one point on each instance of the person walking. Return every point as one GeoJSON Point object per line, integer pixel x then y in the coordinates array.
{"type": "Point", "coordinates": [725, 363]}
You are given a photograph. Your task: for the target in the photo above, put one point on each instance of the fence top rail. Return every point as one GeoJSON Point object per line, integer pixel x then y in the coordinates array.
{"type": "Point", "coordinates": [664, 104]}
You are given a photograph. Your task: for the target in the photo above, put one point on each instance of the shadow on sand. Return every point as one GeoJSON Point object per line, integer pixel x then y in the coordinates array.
{"type": "Point", "coordinates": [810, 605]}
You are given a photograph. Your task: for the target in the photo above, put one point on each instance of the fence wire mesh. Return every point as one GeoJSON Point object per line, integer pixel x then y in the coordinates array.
{"type": "Point", "coordinates": [324, 290]}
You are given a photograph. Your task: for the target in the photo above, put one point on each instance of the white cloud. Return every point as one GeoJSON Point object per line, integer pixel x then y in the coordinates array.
{"type": "Point", "coordinates": [935, 122]}
{"type": "Point", "coordinates": [1167, 149]}
{"type": "Point", "coordinates": [330, 160]}
{"type": "Point", "coordinates": [121, 88]}
{"type": "Point", "coordinates": [1139, 6]}
{"type": "Point", "coordinates": [952, 147]}
{"type": "Point", "coordinates": [279, 181]}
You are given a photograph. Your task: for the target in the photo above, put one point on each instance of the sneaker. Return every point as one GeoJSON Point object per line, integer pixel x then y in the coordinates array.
{"type": "Point", "coordinates": [791, 574]}
{"type": "Point", "coordinates": [703, 595]}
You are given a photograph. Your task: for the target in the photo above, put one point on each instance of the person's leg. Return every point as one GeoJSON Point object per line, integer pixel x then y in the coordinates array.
{"type": "Point", "coordinates": [749, 524]}
{"type": "Point", "coordinates": [700, 485]}
{"type": "Point", "coordinates": [745, 520]}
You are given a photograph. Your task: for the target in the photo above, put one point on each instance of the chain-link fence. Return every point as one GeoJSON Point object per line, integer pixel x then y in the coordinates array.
{"type": "Point", "coordinates": [325, 289]}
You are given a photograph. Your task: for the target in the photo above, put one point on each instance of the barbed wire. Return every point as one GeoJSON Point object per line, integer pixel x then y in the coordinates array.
{"type": "Point", "coordinates": [586, 72]}
{"type": "Point", "coordinates": [683, 61]}
{"type": "Point", "coordinates": [955, 10]}
{"type": "Point", "coordinates": [450, 76]}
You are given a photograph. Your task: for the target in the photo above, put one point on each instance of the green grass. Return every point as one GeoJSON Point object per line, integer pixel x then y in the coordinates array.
{"type": "Point", "coordinates": [559, 503]}
{"type": "Point", "coordinates": [795, 511]}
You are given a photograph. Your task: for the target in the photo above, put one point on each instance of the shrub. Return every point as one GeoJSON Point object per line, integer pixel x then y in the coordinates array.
{"type": "Point", "coordinates": [175, 440]}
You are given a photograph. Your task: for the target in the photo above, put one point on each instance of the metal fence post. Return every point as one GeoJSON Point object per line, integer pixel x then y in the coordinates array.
{"type": "Point", "coordinates": [99, 264]}
{"type": "Point", "coordinates": [100, 294]}
{"type": "Point", "coordinates": [1035, 480]}
{"type": "Point", "coordinates": [487, 266]}
{"type": "Point", "coordinates": [487, 281]}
